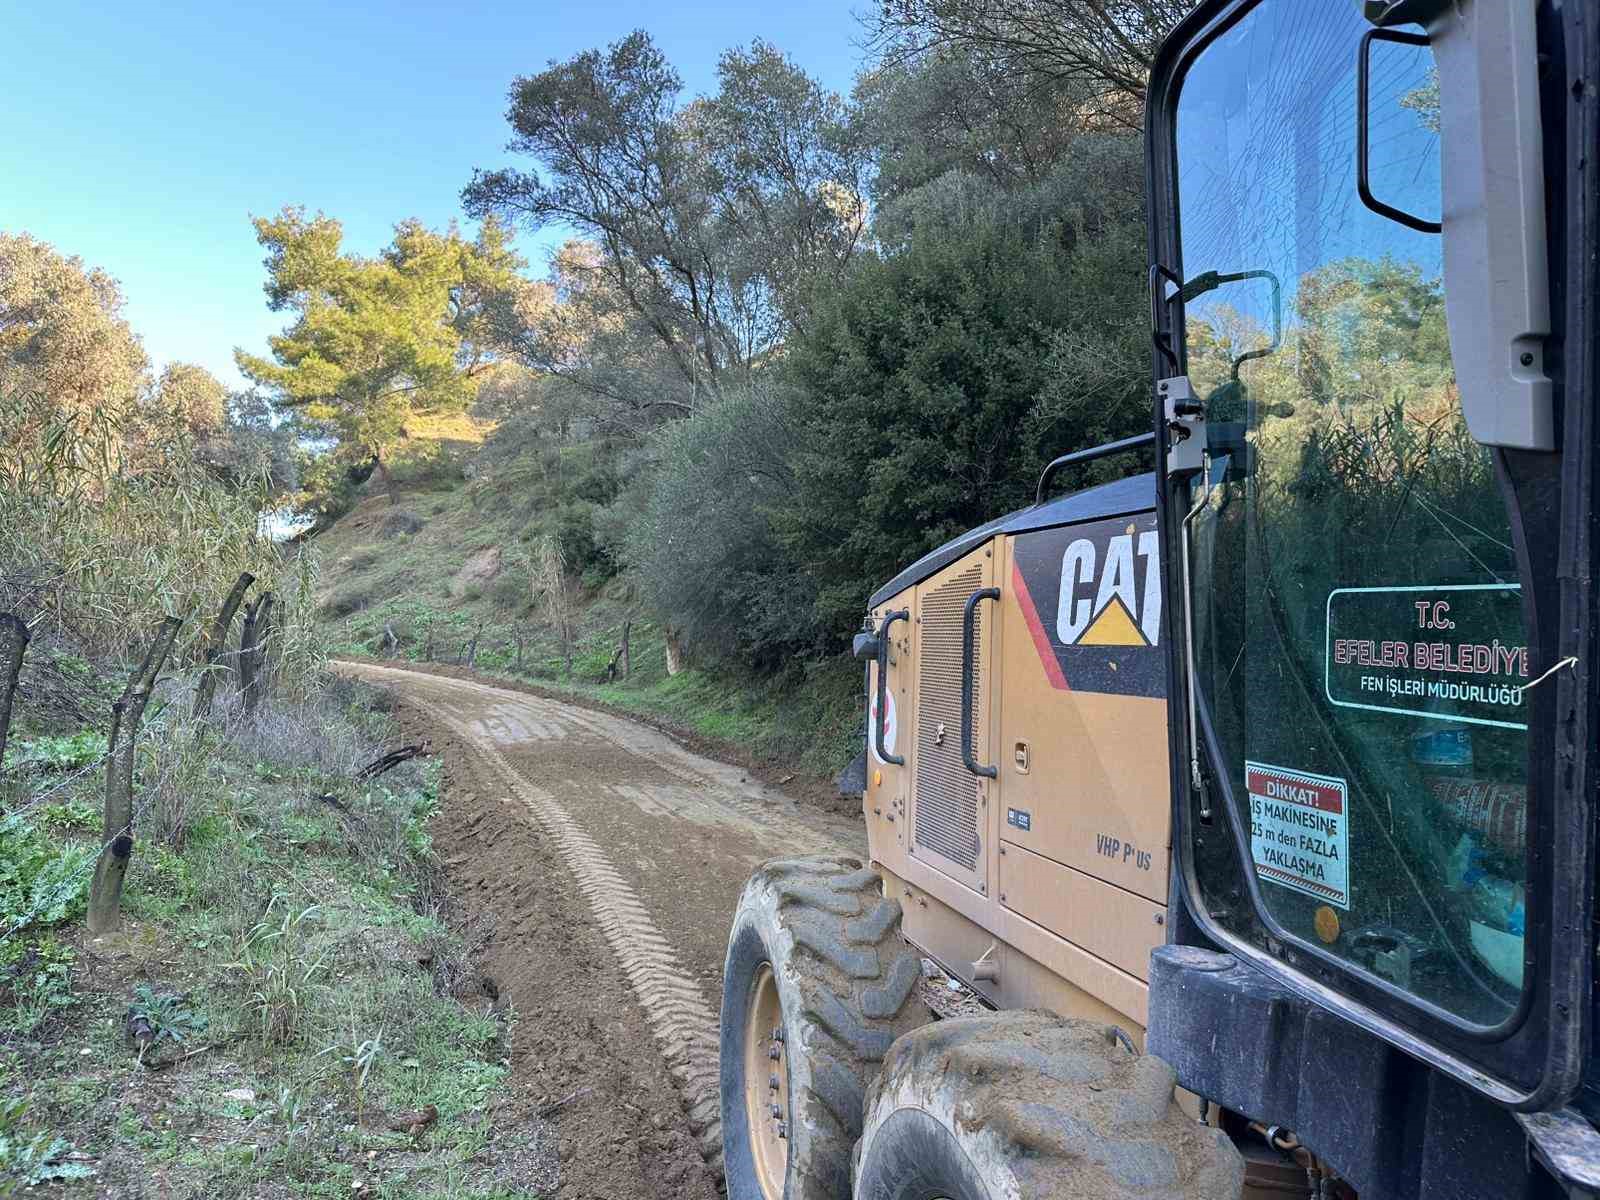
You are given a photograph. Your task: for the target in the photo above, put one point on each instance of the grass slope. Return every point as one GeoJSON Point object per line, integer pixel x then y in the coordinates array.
{"type": "Point", "coordinates": [417, 569]}
{"type": "Point", "coordinates": [285, 989]}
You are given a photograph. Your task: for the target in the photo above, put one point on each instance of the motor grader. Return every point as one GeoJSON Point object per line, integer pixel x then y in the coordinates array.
{"type": "Point", "coordinates": [1250, 792]}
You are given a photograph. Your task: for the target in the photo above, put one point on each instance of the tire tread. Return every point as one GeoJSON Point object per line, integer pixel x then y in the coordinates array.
{"type": "Point", "coordinates": [855, 979]}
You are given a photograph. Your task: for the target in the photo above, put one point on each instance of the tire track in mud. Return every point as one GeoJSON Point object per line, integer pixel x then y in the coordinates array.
{"type": "Point", "coordinates": [685, 1027]}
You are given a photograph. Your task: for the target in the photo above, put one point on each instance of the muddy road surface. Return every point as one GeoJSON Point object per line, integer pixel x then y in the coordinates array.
{"type": "Point", "coordinates": [596, 864]}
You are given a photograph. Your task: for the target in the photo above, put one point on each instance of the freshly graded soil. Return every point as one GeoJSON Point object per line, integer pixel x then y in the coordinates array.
{"type": "Point", "coordinates": [601, 861]}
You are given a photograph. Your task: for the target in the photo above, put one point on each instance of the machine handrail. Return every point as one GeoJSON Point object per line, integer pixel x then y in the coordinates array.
{"type": "Point", "coordinates": [969, 616]}
{"type": "Point", "coordinates": [1136, 442]}
{"type": "Point", "coordinates": [889, 619]}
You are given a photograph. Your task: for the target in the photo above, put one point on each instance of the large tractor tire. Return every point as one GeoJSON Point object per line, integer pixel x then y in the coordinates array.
{"type": "Point", "coordinates": [1028, 1106]}
{"type": "Point", "coordinates": [818, 985]}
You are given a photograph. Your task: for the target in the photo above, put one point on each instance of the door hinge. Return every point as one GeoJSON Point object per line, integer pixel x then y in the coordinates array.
{"type": "Point", "coordinates": [1186, 425]}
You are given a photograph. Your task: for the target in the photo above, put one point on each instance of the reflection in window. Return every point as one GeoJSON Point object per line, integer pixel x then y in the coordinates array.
{"type": "Point", "coordinates": [1358, 628]}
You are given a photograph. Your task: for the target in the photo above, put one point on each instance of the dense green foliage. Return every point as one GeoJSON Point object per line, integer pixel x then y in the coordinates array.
{"type": "Point", "coordinates": [928, 388]}
{"type": "Point", "coordinates": [859, 398]}
{"type": "Point", "coordinates": [375, 340]}
{"type": "Point", "coordinates": [706, 543]}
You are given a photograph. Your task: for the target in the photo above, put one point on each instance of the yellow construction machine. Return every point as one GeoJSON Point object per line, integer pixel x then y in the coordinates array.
{"type": "Point", "coordinates": [1250, 794]}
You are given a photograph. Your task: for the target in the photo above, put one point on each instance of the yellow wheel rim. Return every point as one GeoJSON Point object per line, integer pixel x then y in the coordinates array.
{"type": "Point", "coordinates": [766, 1084]}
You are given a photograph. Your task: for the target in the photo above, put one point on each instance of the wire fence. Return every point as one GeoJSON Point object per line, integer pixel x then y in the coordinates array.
{"type": "Point", "coordinates": [18, 815]}
{"type": "Point", "coordinates": [64, 888]}
{"type": "Point", "coordinates": [629, 648]}
{"type": "Point", "coordinates": [43, 875]}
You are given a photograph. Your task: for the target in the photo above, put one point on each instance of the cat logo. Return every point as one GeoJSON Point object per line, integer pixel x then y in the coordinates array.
{"type": "Point", "coordinates": [1109, 597]}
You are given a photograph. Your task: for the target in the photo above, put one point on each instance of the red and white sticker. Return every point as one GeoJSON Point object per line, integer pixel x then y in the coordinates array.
{"type": "Point", "coordinates": [1300, 830]}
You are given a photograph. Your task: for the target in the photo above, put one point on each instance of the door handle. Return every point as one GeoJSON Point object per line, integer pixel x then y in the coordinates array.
{"type": "Point", "coordinates": [969, 617]}
{"type": "Point", "coordinates": [889, 619]}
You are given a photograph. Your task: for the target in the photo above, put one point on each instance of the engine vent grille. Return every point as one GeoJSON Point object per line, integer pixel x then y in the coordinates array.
{"type": "Point", "coordinates": [945, 813]}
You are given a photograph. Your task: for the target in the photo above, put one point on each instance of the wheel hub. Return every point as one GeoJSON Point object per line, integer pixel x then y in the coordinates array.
{"type": "Point", "coordinates": [766, 1073]}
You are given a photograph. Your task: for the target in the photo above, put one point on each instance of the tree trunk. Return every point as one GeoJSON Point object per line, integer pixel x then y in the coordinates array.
{"type": "Point", "coordinates": [13, 643]}
{"type": "Point", "coordinates": [217, 645]}
{"type": "Point", "coordinates": [674, 652]}
{"type": "Point", "coordinates": [105, 893]}
{"type": "Point", "coordinates": [619, 659]}
{"type": "Point", "coordinates": [388, 479]}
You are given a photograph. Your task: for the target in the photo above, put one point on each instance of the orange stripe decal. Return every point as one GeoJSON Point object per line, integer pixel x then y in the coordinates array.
{"type": "Point", "coordinates": [1041, 640]}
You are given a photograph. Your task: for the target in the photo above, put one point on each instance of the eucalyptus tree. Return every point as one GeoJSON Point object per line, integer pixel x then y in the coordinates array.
{"type": "Point", "coordinates": [1103, 47]}
{"type": "Point", "coordinates": [707, 221]}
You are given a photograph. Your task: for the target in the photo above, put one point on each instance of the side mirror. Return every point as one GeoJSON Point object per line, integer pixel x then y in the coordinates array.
{"type": "Point", "coordinates": [1481, 104]}
{"type": "Point", "coordinates": [1399, 146]}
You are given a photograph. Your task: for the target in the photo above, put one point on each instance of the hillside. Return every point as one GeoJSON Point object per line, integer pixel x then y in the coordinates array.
{"type": "Point", "coordinates": [447, 559]}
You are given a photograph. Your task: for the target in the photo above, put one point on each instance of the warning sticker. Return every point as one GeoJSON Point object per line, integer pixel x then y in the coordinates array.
{"type": "Point", "coordinates": [1300, 830]}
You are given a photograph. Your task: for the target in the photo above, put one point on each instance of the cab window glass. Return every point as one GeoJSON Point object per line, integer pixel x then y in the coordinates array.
{"type": "Point", "coordinates": [1359, 637]}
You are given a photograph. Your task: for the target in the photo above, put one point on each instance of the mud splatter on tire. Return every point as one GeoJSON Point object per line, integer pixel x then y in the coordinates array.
{"type": "Point", "coordinates": [1027, 1104]}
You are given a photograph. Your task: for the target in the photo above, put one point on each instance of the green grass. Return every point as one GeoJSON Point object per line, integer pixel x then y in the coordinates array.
{"type": "Point", "coordinates": [273, 947]}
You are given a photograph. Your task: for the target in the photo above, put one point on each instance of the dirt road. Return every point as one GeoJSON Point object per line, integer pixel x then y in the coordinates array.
{"type": "Point", "coordinates": [603, 861]}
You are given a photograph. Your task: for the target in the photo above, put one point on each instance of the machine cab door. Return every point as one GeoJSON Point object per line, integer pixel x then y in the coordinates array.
{"type": "Point", "coordinates": [1374, 485]}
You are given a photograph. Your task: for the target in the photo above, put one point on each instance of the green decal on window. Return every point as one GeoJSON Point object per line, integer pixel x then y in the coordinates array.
{"type": "Point", "coordinates": [1448, 653]}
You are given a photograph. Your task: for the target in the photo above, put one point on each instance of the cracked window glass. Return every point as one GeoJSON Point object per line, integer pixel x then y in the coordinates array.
{"type": "Point", "coordinates": [1359, 634]}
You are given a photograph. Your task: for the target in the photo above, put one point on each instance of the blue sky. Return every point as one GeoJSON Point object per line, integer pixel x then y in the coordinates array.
{"type": "Point", "coordinates": [142, 137]}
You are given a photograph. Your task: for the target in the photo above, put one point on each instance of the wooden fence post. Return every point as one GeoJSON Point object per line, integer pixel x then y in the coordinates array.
{"type": "Point", "coordinates": [13, 642]}
{"type": "Point", "coordinates": [250, 639]}
{"type": "Point", "coordinates": [261, 675]}
{"type": "Point", "coordinates": [217, 645]}
{"type": "Point", "coordinates": [519, 652]}
{"type": "Point", "coordinates": [247, 639]}
{"type": "Point", "coordinates": [105, 892]}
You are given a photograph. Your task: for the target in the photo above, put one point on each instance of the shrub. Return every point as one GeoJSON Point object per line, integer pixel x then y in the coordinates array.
{"type": "Point", "coordinates": [342, 604]}
{"type": "Point", "coordinates": [704, 546]}
{"type": "Point", "coordinates": [400, 521]}
{"type": "Point", "coordinates": [927, 401]}
{"type": "Point", "coordinates": [510, 590]}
